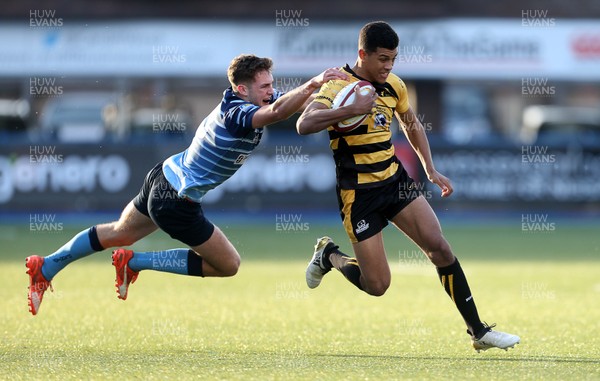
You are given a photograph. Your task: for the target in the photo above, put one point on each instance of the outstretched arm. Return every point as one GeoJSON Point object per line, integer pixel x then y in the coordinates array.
{"type": "Point", "coordinates": [415, 133]}
{"type": "Point", "coordinates": [294, 100]}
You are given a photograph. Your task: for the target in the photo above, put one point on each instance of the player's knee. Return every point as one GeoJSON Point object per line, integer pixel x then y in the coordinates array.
{"type": "Point", "coordinates": [437, 246]}
{"type": "Point", "coordinates": [124, 240]}
{"type": "Point", "coordinates": [113, 236]}
{"type": "Point", "coordinates": [230, 267]}
{"type": "Point", "coordinates": [377, 288]}
{"type": "Point", "coordinates": [440, 253]}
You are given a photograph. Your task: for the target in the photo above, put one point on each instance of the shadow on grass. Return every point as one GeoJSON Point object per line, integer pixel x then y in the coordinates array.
{"type": "Point", "coordinates": [540, 359]}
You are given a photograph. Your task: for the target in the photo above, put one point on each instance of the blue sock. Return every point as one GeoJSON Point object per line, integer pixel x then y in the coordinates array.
{"type": "Point", "coordinates": [80, 246]}
{"type": "Point", "coordinates": [176, 261]}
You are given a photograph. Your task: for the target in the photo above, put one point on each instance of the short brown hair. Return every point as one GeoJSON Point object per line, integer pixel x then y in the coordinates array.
{"type": "Point", "coordinates": [244, 67]}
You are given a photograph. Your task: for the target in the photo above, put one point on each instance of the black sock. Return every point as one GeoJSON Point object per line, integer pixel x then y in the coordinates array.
{"type": "Point", "coordinates": [194, 263]}
{"type": "Point", "coordinates": [346, 265]}
{"type": "Point", "coordinates": [455, 283]}
{"type": "Point", "coordinates": [94, 241]}
{"type": "Point", "coordinates": [330, 248]}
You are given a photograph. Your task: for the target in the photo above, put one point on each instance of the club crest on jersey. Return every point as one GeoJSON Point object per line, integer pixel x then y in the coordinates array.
{"type": "Point", "coordinates": [240, 159]}
{"type": "Point", "coordinates": [246, 107]}
{"type": "Point", "coordinates": [380, 120]}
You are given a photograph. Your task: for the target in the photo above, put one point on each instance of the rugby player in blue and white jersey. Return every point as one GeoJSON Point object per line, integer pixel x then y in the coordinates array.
{"type": "Point", "coordinates": [170, 198]}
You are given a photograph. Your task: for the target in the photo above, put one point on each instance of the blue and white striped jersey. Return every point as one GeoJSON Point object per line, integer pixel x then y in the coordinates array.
{"type": "Point", "coordinates": [222, 143]}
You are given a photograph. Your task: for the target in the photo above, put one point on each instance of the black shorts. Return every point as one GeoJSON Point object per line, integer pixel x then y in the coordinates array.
{"type": "Point", "coordinates": [365, 212]}
{"type": "Point", "coordinates": [180, 218]}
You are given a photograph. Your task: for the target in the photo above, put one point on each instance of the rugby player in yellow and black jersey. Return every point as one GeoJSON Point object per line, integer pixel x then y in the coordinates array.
{"type": "Point", "coordinates": [373, 187]}
{"type": "Point", "coordinates": [365, 156]}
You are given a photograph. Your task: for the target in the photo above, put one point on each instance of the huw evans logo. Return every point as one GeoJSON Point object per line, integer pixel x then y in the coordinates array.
{"type": "Point", "coordinates": [420, 122]}
{"type": "Point", "coordinates": [537, 87]}
{"type": "Point", "coordinates": [167, 54]}
{"type": "Point", "coordinates": [169, 327]}
{"type": "Point", "coordinates": [536, 223]}
{"type": "Point", "coordinates": [168, 123]}
{"type": "Point", "coordinates": [290, 155]}
{"type": "Point", "coordinates": [44, 18]}
{"type": "Point", "coordinates": [537, 18]}
{"type": "Point", "coordinates": [44, 87]}
{"type": "Point", "coordinates": [287, 84]}
{"type": "Point", "coordinates": [44, 223]}
{"type": "Point", "coordinates": [413, 54]}
{"type": "Point", "coordinates": [413, 190]}
{"type": "Point", "coordinates": [537, 290]}
{"type": "Point", "coordinates": [412, 259]}
{"type": "Point", "coordinates": [290, 290]}
{"type": "Point", "coordinates": [44, 155]}
{"type": "Point", "coordinates": [290, 18]}
{"type": "Point", "coordinates": [537, 154]}
{"type": "Point", "coordinates": [290, 223]}
{"type": "Point", "coordinates": [168, 259]}
{"type": "Point", "coordinates": [164, 191]}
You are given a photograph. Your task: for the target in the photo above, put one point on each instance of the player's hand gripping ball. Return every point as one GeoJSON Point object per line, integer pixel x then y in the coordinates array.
{"type": "Point", "coordinates": [346, 96]}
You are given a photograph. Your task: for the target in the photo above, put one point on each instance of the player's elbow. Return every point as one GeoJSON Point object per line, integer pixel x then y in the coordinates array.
{"type": "Point", "coordinates": [302, 127]}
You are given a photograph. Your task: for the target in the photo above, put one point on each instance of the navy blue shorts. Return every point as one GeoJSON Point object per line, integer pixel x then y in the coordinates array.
{"type": "Point", "coordinates": [180, 218]}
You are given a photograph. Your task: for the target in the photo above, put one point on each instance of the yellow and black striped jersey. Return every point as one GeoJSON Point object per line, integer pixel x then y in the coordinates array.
{"type": "Point", "coordinates": [364, 157]}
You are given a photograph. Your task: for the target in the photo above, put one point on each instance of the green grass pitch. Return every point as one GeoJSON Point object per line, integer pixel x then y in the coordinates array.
{"type": "Point", "coordinates": [265, 324]}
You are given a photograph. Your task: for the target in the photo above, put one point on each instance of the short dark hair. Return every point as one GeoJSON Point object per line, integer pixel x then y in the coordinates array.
{"type": "Point", "coordinates": [244, 67]}
{"type": "Point", "coordinates": [377, 34]}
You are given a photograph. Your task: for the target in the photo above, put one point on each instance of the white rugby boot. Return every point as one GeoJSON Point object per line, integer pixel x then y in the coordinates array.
{"type": "Point", "coordinates": [495, 339]}
{"type": "Point", "coordinates": [317, 269]}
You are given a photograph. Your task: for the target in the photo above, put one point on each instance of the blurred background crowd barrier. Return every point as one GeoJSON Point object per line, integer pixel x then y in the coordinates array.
{"type": "Point", "coordinates": [89, 102]}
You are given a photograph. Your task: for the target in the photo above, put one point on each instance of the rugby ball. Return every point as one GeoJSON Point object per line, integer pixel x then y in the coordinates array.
{"type": "Point", "coordinates": [346, 97]}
